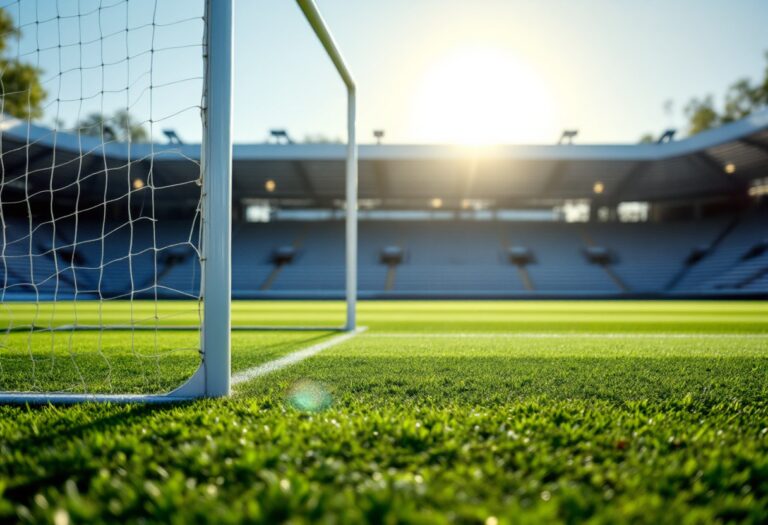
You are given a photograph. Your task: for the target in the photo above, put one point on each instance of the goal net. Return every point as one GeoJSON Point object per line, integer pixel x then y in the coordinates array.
{"type": "Point", "coordinates": [106, 197]}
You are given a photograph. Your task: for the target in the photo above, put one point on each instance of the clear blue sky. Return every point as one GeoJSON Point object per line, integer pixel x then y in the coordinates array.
{"type": "Point", "coordinates": [607, 66]}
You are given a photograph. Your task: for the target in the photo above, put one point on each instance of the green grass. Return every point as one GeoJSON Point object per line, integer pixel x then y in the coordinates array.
{"type": "Point", "coordinates": [470, 412]}
{"type": "Point", "coordinates": [423, 316]}
{"type": "Point", "coordinates": [126, 362]}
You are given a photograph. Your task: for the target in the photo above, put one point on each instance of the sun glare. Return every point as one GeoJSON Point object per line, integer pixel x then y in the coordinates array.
{"type": "Point", "coordinates": [482, 96]}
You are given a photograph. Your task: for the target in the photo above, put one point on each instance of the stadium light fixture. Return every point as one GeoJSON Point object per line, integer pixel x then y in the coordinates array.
{"type": "Point", "coordinates": [378, 134]}
{"type": "Point", "coordinates": [730, 168]}
{"type": "Point", "coordinates": [568, 136]}
{"type": "Point", "coordinates": [598, 188]}
{"type": "Point", "coordinates": [172, 136]}
{"type": "Point", "coordinates": [138, 184]}
{"type": "Point", "coordinates": [437, 202]}
{"type": "Point", "coordinates": [270, 186]}
{"type": "Point", "coordinates": [280, 136]}
{"type": "Point", "coordinates": [667, 136]}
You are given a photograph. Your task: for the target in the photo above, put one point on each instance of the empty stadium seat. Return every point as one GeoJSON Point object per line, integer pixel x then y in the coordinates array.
{"type": "Point", "coordinates": [444, 258]}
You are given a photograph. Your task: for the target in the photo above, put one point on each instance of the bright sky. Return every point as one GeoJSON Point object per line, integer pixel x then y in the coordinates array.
{"type": "Point", "coordinates": [436, 70]}
{"type": "Point", "coordinates": [427, 67]}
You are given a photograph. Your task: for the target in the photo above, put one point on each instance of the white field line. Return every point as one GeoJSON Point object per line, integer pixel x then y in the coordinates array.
{"type": "Point", "coordinates": [561, 335]}
{"type": "Point", "coordinates": [293, 358]}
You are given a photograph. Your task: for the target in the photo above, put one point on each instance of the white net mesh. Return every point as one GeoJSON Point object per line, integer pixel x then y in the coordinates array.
{"type": "Point", "coordinates": [99, 199]}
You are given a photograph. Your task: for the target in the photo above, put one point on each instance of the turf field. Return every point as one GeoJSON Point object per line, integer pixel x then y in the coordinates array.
{"type": "Point", "coordinates": [470, 412]}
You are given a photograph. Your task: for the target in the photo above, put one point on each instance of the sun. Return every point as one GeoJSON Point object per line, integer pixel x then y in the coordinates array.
{"type": "Point", "coordinates": [482, 95]}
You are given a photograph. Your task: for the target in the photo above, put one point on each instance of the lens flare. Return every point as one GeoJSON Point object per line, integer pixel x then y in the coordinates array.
{"type": "Point", "coordinates": [309, 396]}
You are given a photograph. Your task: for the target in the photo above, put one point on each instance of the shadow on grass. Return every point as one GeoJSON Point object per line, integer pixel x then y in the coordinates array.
{"type": "Point", "coordinates": [57, 473]}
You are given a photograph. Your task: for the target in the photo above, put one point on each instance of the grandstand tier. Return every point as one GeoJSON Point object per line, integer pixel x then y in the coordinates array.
{"type": "Point", "coordinates": [438, 259]}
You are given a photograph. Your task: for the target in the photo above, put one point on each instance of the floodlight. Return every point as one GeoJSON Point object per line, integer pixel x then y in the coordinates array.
{"type": "Point", "coordinates": [172, 136]}
{"type": "Point", "coordinates": [667, 136]}
{"type": "Point", "coordinates": [568, 136]}
{"type": "Point", "coordinates": [280, 136]}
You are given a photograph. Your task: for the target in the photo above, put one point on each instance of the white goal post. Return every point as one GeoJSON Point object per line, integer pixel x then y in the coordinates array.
{"type": "Point", "coordinates": [217, 202]}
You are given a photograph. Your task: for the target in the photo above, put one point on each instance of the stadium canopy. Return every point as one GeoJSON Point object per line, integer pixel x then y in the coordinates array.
{"type": "Point", "coordinates": [715, 163]}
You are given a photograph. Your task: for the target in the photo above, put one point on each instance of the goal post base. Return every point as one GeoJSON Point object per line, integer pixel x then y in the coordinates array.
{"type": "Point", "coordinates": [192, 389]}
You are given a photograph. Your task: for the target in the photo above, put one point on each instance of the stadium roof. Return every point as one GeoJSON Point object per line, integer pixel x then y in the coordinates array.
{"type": "Point", "coordinates": [717, 162]}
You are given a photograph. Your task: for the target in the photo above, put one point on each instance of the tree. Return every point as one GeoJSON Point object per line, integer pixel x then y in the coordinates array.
{"type": "Point", "coordinates": [128, 128]}
{"type": "Point", "coordinates": [7, 30]}
{"type": "Point", "coordinates": [21, 93]}
{"type": "Point", "coordinates": [741, 100]}
{"type": "Point", "coordinates": [701, 115]}
{"type": "Point", "coordinates": [119, 127]}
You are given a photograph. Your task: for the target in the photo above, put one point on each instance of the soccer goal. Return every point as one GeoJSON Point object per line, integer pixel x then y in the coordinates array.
{"type": "Point", "coordinates": [115, 261]}
{"type": "Point", "coordinates": [115, 198]}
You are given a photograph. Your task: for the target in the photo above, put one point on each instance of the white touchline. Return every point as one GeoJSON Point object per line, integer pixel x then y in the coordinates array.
{"type": "Point", "coordinates": [563, 335]}
{"type": "Point", "coordinates": [295, 357]}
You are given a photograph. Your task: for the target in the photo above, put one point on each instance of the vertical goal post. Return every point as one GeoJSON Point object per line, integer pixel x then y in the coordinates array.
{"type": "Point", "coordinates": [216, 156]}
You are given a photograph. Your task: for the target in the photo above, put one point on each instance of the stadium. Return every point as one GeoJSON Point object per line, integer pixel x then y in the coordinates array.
{"type": "Point", "coordinates": [286, 331]}
{"type": "Point", "coordinates": [435, 221]}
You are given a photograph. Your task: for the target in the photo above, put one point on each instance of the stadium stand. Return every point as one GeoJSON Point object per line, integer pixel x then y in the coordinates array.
{"type": "Point", "coordinates": [705, 234]}
{"type": "Point", "coordinates": [728, 267]}
{"type": "Point", "coordinates": [650, 255]}
{"type": "Point", "coordinates": [438, 259]}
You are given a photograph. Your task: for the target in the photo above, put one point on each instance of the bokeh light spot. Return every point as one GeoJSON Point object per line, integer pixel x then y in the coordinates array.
{"type": "Point", "coordinates": [309, 396]}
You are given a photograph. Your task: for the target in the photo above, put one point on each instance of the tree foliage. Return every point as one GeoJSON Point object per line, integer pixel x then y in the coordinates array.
{"type": "Point", "coordinates": [741, 100]}
{"type": "Point", "coordinates": [21, 92]}
{"type": "Point", "coordinates": [701, 114]}
{"type": "Point", "coordinates": [120, 127]}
